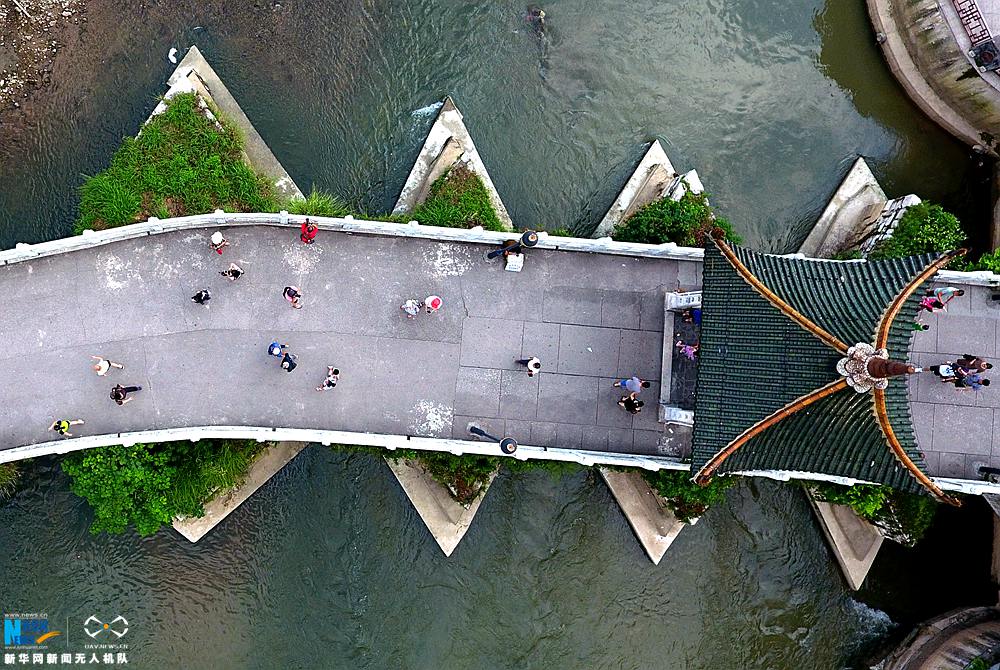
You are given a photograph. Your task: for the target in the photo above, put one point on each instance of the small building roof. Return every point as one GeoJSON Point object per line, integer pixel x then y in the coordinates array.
{"type": "Point", "coordinates": [769, 396]}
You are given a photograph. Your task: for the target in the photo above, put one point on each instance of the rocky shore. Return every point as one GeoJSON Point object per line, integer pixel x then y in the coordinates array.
{"type": "Point", "coordinates": [31, 34]}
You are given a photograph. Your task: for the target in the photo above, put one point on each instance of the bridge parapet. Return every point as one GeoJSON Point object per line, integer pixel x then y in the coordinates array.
{"type": "Point", "coordinates": [154, 226]}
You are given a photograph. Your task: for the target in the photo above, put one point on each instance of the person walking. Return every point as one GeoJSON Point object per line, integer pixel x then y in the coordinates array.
{"type": "Point", "coordinates": [233, 273]}
{"type": "Point", "coordinates": [532, 363]}
{"type": "Point", "coordinates": [309, 230]}
{"type": "Point", "coordinates": [630, 404]}
{"type": "Point", "coordinates": [202, 297]}
{"type": "Point", "coordinates": [945, 294]}
{"type": "Point", "coordinates": [61, 426]}
{"type": "Point", "coordinates": [633, 385]}
{"type": "Point", "coordinates": [120, 393]}
{"type": "Point", "coordinates": [288, 362]}
{"type": "Point", "coordinates": [974, 381]}
{"type": "Point", "coordinates": [293, 296]}
{"type": "Point", "coordinates": [411, 308]}
{"type": "Point", "coordinates": [276, 349]}
{"type": "Point", "coordinates": [948, 372]}
{"type": "Point", "coordinates": [217, 242]}
{"type": "Point", "coordinates": [332, 377]}
{"type": "Point", "coordinates": [103, 366]}
{"type": "Point", "coordinates": [973, 363]}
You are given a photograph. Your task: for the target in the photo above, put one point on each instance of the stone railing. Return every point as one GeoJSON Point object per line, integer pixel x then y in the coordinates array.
{"type": "Point", "coordinates": [348, 224]}
{"type": "Point", "coordinates": [328, 437]}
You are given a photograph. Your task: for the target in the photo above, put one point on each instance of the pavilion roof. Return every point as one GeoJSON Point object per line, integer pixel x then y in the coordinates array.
{"type": "Point", "coordinates": [769, 396]}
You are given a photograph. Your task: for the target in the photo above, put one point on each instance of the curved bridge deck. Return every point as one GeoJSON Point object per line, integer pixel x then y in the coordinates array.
{"type": "Point", "coordinates": [589, 317]}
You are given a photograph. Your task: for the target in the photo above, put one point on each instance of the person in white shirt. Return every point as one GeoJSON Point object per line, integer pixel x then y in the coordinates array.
{"type": "Point", "coordinates": [103, 366]}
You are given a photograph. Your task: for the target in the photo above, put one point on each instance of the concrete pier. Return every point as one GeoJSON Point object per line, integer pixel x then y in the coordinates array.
{"type": "Point", "coordinates": [268, 464]}
{"type": "Point", "coordinates": [854, 541]}
{"type": "Point", "coordinates": [195, 72]}
{"type": "Point", "coordinates": [447, 143]}
{"type": "Point", "coordinates": [853, 207]}
{"type": "Point", "coordinates": [651, 180]}
{"type": "Point", "coordinates": [654, 524]}
{"type": "Point", "coordinates": [446, 518]}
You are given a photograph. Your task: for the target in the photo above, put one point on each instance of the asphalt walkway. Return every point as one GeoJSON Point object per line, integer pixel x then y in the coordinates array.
{"type": "Point", "coordinates": [589, 317]}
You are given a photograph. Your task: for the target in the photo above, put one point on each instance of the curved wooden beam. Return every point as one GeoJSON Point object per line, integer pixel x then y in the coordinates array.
{"type": "Point", "coordinates": [776, 300]}
{"type": "Point", "coordinates": [891, 312]}
{"type": "Point", "coordinates": [890, 435]}
{"type": "Point", "coordinates": [707, 470]}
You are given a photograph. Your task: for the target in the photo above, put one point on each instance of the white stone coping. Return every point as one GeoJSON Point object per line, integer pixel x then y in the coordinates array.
{"type": "Point", "coordinates": [328, 437]}
{"type": "Point", "coordinates": [219, 219]}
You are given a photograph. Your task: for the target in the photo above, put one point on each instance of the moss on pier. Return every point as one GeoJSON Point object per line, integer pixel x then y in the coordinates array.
{"type": "Point", "coordinates": [187, 160]}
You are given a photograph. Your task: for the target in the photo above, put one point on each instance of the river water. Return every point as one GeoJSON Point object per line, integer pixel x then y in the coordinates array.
{"type": "Point", "coordinates": [329, 566]}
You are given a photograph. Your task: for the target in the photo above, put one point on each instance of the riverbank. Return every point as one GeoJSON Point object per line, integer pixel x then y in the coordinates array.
{"type": "Point", "coordinates": [32, 32]}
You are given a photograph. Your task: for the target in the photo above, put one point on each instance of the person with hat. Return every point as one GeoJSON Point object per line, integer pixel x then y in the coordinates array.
{"type": "Point", "coordinates": [218, 242]}
{"type": "Point", "coordinates": [432, 303]}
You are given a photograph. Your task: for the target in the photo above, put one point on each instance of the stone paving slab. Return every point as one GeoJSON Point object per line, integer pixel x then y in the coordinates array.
{"type": "Point", "coordinates": [432, 375]}
{"type": "Point", "coordinates": [957, 430]}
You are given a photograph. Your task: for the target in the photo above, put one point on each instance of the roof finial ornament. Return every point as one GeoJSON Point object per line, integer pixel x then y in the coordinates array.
{"type": "Point", "coordinates": [866, 367]}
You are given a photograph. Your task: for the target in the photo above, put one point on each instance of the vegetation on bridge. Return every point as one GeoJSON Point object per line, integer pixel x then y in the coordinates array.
{"type": "Point", "coordinates": [9, 477]}
{"type": "Point", "coordinates": [905, 517]}
{"type": "Point", "coordinates": [686, 222]}
{"type": "Point", "coordinates": [147, 485]}
{"type": "Point", "coordinates": [924, 228]}
{"type": "Point", "coordinates": [183, 162]}
{"type": "Point", "coordinates": [686, 499]}
{"type": "Point", "coordinates": [458, 199]}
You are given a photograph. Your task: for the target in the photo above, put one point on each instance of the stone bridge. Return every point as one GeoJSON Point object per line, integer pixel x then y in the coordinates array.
{"type": "Point", "coordinates": [591, 310]}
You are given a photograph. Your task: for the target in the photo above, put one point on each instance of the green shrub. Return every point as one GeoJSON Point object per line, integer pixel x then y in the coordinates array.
{"type": "Point", "coordinates": [9, 477]}
{"type": "Point", "coordinates": [685, 498]}
{"type": "Point", "coordinates": [905, 517]}
{"type": "Point", "coordinates": [181, 163]}
{"type": "Point", "coordinates": [555, 469]}
{"type": "Point", "coordinates": [458, 199]}
{"type": "Point", "coordinates": [990, 261]}
{"type": "Point", "coordinates": [687, 222]}
{"type": "Point", "coordinates": [924, 228]}
{"type": "Point", "coordinates": [867, 500]}
{"type": "Point", "coordinates": [146, 485]}
{"type": "Point", "coordinates": [318, 203]}
{"type": "Point", "coordinates": [561, 232]}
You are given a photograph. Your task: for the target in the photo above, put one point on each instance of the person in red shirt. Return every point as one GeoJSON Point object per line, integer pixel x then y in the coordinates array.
{"type": "Point", "coordinates": [309, 231]}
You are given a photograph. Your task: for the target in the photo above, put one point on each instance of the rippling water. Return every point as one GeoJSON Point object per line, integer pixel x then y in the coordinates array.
{"type": "Point", "coordinates": [329, 566]}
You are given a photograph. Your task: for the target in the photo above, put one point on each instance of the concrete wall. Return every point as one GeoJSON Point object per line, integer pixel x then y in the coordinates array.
{"type": "Point", "coordinates": [928, 62]}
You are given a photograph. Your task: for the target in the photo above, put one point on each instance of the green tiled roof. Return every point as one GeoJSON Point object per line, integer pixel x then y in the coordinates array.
{"type": "Point", "coordinates": [754, 360]}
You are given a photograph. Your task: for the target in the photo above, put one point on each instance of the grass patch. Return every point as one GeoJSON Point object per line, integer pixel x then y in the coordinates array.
{"type": "Point", "coordinates": [9, 476]}
{"type": "Point", "coordinates": [318, 203]}
{"type": "Point", "coordinates": [182, 163]}
{"type": "Point", "coordinates": [146, 485]}
{"type": "Point", "coordinates": [458, 199]}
